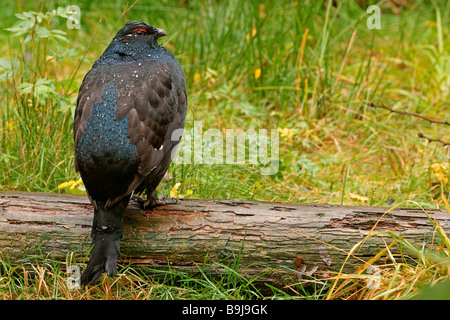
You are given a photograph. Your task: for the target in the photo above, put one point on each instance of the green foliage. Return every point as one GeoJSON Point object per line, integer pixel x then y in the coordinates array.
{"type": "Point", "coordinates": [34, 22]}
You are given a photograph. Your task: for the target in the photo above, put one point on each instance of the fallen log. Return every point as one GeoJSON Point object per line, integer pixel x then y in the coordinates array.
{"type": "Point", "coordinates": [287, 239]}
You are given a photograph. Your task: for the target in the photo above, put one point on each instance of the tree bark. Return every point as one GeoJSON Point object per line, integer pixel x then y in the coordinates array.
{"type": "Point", "coordinates": [285, 240]}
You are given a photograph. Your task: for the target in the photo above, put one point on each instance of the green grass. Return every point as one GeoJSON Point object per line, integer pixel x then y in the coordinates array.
{"type": "Point", "coordinates": [302, 67]}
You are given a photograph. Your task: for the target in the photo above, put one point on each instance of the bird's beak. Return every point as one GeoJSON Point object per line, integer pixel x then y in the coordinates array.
{"type": "Point", "coordinates": [160, 33]}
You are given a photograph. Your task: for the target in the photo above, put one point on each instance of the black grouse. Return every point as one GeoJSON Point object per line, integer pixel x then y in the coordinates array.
{"type": "Point", "coordinates": [129, 117]}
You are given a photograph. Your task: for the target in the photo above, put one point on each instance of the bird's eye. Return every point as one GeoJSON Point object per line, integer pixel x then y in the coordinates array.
{"type": "Point", "coordinates": [139, 32]}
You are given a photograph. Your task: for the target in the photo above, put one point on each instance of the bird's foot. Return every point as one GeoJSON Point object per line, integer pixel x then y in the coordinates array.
{"type": "Point", "coordinates": [163, 201]}
{"type": "Point", "coordinates": [153, 200]}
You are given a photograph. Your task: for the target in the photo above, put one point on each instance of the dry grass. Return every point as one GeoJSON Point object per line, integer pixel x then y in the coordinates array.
{"type": "Point", "coordinates": [399, 271]}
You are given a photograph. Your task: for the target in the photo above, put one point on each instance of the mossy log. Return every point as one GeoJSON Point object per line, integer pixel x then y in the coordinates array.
{"type": "Point", "coordinates": [287, 239]}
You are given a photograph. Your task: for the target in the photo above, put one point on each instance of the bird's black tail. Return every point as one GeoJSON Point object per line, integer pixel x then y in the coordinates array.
{"type": "Point", "coordinates": [107, 231]}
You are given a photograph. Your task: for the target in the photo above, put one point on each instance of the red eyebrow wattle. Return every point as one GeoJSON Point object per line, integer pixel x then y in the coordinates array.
{"type": "Point", "coordinates": [139, 29]}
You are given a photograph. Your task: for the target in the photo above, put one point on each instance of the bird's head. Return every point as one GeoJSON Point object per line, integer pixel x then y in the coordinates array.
{"type": "Point", "coordinates": [133, 42]}
{"type": "Point", "coordinates": [134, 32]}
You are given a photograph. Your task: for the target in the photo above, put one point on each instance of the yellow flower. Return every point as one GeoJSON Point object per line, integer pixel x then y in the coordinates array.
{"type": "Point", "coordinates": [257, 73]}
{"type": "Point", "coordinates": [254, 32]}
{"type": "Point", "coordinates": [174, 190]}
{"type": "Point", "coordinates": [436, 167]}
{"type": "Point", "coordinates": [9, 126]}
{"type": "Point", "coordinates": [440, 172]}
{"type": "Point", "coordinates": [441, 176]}
{"type": "Point", "coordinates": [286, 132]}
{"type": "Point", "coordinates": [66, 184]}
{"type": "Point", "coordinates": [71, 183]}
{"type": "Point", "coordinates": [356, 196]}
{"type": "Point", "coordinates": [196, 77]}
{"type": "Point", "coordinates": [76, 184]}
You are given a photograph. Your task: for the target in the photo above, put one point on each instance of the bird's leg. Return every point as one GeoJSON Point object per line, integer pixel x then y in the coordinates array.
{"type": "Point", "coordinates": [107, 231]}
{"type": "Point", "coordinates": [151, 200]}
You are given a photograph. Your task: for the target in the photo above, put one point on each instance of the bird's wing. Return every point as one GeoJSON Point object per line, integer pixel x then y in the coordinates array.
{"type": "Point", "coordinates": [158, 107]}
